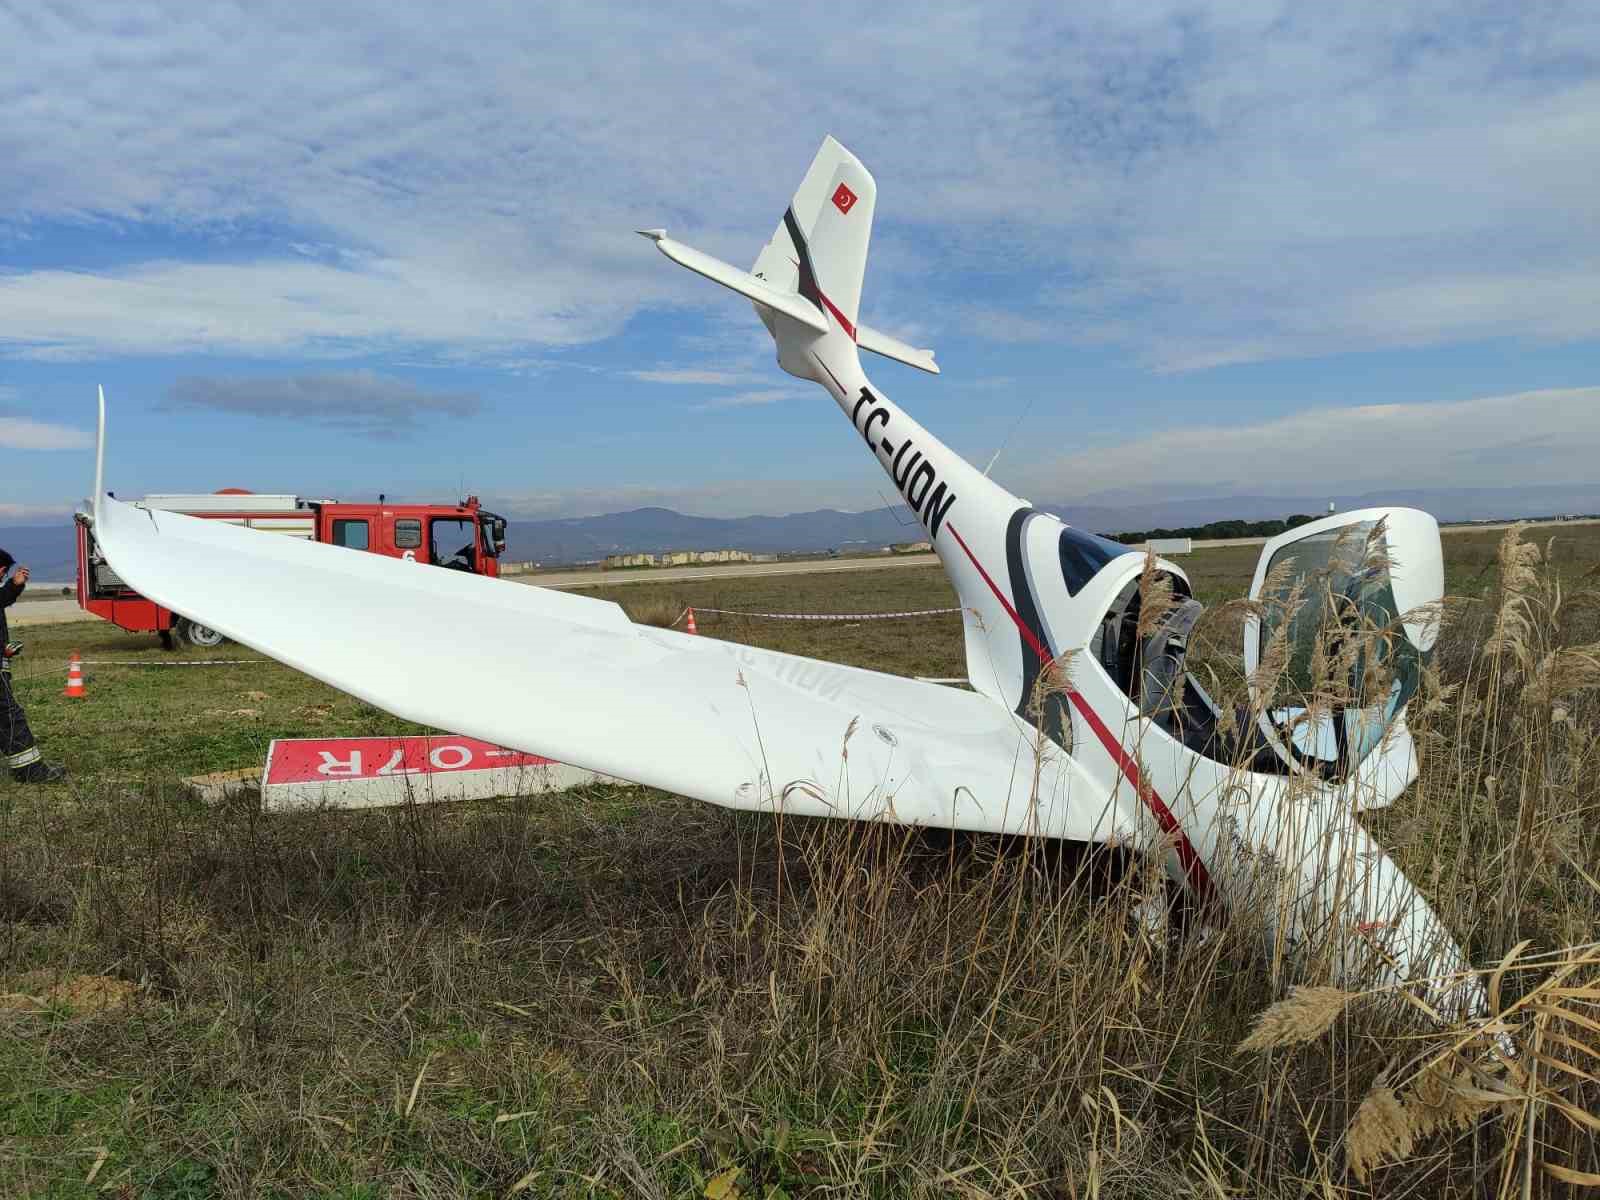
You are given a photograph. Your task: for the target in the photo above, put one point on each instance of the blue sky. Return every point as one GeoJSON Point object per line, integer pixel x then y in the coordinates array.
{"type": "Point", "coordinates": [1196, 250]}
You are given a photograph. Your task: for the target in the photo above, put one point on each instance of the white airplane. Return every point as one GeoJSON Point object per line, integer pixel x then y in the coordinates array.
{"type": "Point", "coordinates": [1115, 752]}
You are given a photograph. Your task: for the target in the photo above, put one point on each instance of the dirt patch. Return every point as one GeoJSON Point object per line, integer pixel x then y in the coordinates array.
{"type": "Point", "coordinates": [91, 993]}
{"type": "Point", "coordinates": [79, 993]}
{"type": "Point", "coordinates": [217, 786]}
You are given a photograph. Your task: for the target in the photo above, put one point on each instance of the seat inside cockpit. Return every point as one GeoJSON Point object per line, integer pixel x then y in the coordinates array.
{"type": "Point", "coordinates": [1153, 669]}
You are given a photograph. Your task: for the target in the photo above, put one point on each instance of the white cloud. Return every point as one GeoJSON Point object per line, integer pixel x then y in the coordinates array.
{"type": "Point", "coordinates": [272, 308]}
{"type": "Point", "coordinates": [1200, 185]}
{"type": "Point", "coordinates": [1546, 437]}
{"type": "Point", "coordinates": [751, 399]}
{"type": "Point", "coordinates": [692, 375]}
{"type": "Point", "coordinates": [20, 433]}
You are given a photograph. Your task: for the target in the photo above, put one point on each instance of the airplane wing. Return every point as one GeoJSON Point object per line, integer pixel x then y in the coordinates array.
{"type": "Point", "coordinates": [571, 678]}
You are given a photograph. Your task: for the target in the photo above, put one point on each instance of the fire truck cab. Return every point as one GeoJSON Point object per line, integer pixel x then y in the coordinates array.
{"type": "Point", "coordinates": [458, 537]}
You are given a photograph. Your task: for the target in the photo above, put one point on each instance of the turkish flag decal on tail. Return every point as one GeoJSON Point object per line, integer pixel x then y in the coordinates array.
{"type": "Point", "coordinates": [843, 199]}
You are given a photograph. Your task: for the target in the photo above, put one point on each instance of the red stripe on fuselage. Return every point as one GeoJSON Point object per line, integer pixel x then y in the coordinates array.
{"type": "Point", "coordinates": [1038, 647]}
{"type": "Point", "coordinates": [1188, 856]}
{"type": "Point", "coordinates": [843, 320]}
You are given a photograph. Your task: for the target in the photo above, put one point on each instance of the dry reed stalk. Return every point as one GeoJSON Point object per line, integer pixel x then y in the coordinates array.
{"type": "Point", "coordinates": [1155, 597]}
{"type": "Point", "coordinates": [1381, 1132]}
{"type": "Point", "coordinates": [1515, 624]}
{"type": "Point", "coordinates": [1307, 1013]}
{"type": "Point", "coordinates": [1564, 672]}
{"type": "Point", "coordinates": [1444, 1097]}
{"type": "Point", "coordinates": [656, 611]}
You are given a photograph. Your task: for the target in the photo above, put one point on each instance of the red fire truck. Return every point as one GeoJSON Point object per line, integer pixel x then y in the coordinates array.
{"type": "Point", "coordinates": [461, 537]}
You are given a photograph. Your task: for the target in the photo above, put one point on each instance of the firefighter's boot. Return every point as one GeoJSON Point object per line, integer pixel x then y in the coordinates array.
{"type": "Point", "coordinates": [39, 772]}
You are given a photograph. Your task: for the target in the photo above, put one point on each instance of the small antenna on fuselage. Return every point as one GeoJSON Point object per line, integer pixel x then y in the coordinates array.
{"type": "Point", "coordinates": [1009, 434]}
{"type": "Point", "coordinates": [894, 509]}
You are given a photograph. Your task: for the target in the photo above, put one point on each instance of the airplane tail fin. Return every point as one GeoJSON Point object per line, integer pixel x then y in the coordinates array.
{"type": "Point", "coordinates": [811, 269]}
{"type": "Point", "coordinates": [819, 249]}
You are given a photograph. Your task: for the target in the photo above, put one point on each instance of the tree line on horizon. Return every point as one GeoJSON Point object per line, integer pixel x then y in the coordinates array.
{"type": "Point", "coordinates": [1216, 530]}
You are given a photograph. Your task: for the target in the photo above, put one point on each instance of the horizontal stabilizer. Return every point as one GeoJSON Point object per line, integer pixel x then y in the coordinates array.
{"type": "Point", "coordinates": [729, 276]}
{"type": "Point", "coordinates": [790, 304]}
{"type": "Point", "coordinates": [889, 347]}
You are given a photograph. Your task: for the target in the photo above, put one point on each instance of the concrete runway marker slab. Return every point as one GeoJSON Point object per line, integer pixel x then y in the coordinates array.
{"type": "Point", "coordinates": [373, 772]}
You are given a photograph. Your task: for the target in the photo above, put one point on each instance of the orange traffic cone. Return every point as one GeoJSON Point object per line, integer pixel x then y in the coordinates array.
{"type": "Point", "coordinates": [75, 677]}
{"type": "Point", "coordinates": [689, 625]}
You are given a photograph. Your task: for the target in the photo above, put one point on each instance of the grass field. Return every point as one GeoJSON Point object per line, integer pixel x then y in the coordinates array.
{"type": "Point", "coordinates": [620, 992]}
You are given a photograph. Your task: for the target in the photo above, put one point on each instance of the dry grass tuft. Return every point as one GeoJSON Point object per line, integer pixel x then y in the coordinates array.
{"type": "Point", "coordinates": [662, 612]}
{"type": "Point", "coordinates": [1307, 1013]}
{"type": "Point", "coordinates": [1155, 596]}
{"type": "Point", "coordinates": [1515, 621]}
{"type": "Point", "coordinates": [91, 993]}
{"type": "Point", "coordinates": [1445, 1098]}
{"type": "Point", "coordinates": [1381, 1132]}
{"type": "Point", "coordinates": [1565, 672]}
{"type": "Point", "coordinates": [73, 994]}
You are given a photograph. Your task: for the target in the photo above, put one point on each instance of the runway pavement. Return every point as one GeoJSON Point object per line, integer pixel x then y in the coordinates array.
{"type": "Point", "coordinates": [55, 611]}
{"type": "Point", "coordinates": [564, 580]}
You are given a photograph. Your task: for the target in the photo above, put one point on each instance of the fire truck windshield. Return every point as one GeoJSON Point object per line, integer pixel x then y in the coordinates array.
{"type": "Point", "coordinates": [494, 534]}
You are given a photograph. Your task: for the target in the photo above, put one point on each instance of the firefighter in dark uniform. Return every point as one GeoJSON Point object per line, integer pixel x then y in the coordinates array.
{"type": "Point", "coordinates": [16, 739]}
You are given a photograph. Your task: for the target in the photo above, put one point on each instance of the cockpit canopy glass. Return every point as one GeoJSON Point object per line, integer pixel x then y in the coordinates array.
{"type": "Point", "coordinates": [1329, 614]}
{"type": "Point", "coordinates": [1083, 554]}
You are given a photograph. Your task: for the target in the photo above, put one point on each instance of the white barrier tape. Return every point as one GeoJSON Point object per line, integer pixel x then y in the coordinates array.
{"type": "Point", "coordinates": [202, 662]}
{"type": "Point", "coordinates": [733, 612]}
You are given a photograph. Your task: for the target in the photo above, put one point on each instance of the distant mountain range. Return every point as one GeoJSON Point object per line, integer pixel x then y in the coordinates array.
{"type": "Point", "coordinates": [652, 530]}
{"type": "Point", "coordinates": [49, 548]}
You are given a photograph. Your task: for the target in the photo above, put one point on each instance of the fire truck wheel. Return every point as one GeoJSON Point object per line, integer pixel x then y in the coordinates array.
{"type": "Point", "coordinates": [199, 635]}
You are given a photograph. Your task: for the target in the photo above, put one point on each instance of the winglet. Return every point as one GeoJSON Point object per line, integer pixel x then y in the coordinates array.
{"type": "Point", "coordinates": [99, 457]}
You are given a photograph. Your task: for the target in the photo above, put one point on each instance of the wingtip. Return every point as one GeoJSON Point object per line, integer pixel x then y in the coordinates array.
{"type": "Point", "coordinates": [100, 454]}
{"type": "Point", "coordinates": [655, 235]}
{"type": "Point", "coordinates": [832, 145]}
